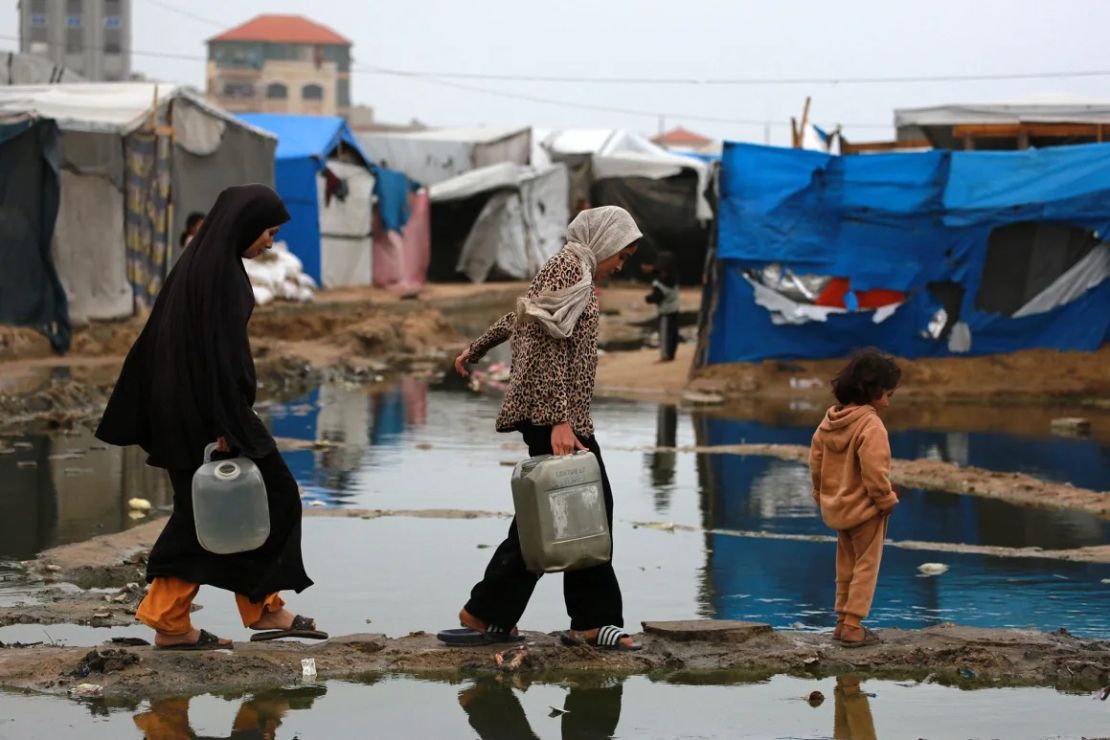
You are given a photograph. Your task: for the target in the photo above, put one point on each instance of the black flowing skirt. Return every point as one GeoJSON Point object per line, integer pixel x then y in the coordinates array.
{"type": "Point", "coordinates": [276, 566]}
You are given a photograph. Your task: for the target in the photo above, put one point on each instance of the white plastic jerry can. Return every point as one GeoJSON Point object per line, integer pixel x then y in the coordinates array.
{"type": "Point", "coordinates": [230, 508]}
{"type": "Point", "coordinates": [560, 512]}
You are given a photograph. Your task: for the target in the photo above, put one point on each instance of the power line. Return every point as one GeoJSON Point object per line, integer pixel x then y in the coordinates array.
{"type": "Point", "coordinates": [187, 14]}
{"type": "Point", "coordinates": [489, 76]}
{"type": "Point", "coordinates": [521, 96]}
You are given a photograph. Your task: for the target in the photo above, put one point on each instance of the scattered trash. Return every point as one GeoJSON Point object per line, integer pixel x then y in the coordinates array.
{"type": "Point", "coordinates": [661, 526]}
{"type": "Point", "coordinates": [54, 568]}
{"type": "Point", "coordinates": [696, 398]}
{"type": "Point", "coordinates": [136, 515]}
{"type": "Point", "coordinates": [102, 615]}
{"type": "Point", "coordinates": [815, 698]}
{"type": "Point", "coordinates": [1071, 427]}
{"type": "Point", "coordinates": [512, 659]}
{"type": "Point", "coordinates": [130, 592]}
{"type": "Point", "coordinates": [932, 569]}
{"type": "Point", "coordinates": [931, 678]}
{"type": "Point", "coordinates": [308, 667]}
{"type": "Point", "coordinates": [105, 661]}
{"type": "Point", "coordinates": [87, 691]}
{"type": "Point", "coordinates": [805, 384]}
{"type": "Point", "coordinates": [811, 661]}
{"type": "Point", "coordinates": [1104, 693]}
{"type": "Point", "coordinates": [556, 712]}
{"type": "Point", "coordinates": [138, 504]}
{"type": "Point", "coordinates": [317, 504]}
{"type": "Point", "coordinates": [965, 673]}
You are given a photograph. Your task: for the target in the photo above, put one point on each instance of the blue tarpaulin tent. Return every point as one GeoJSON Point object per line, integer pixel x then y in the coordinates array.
{"type": "Point", "coordinates": [1001, 250]}
{"type": "Point", "coordinates": [304, 145]}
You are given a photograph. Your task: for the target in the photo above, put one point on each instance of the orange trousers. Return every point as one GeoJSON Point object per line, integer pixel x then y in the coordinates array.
{"type": "Point", "coordinates": [858, 553]}
{"type": "Point", "coordinates": [166, 606]}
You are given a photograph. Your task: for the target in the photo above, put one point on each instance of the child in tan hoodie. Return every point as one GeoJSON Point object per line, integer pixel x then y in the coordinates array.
{"type": "Point", "coordinates": [849, 460]}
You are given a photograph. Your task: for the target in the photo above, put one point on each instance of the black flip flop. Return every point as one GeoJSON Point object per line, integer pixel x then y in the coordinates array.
{"type": "Point", "coordinates": [301, 627]}
{"type": "Point", "coordinates": [467, 637]}
{"type": "Point", "coordinates": [206, 641]}
{"type": "Point", "coordinates": [608, 638]}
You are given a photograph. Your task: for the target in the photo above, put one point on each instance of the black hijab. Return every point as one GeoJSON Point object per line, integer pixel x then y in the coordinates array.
{"type": "Point", "coordinates": [189, 378]}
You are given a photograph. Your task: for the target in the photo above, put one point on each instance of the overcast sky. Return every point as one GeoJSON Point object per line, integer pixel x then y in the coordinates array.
{"type": "Point", "coordinates": [697, 39]}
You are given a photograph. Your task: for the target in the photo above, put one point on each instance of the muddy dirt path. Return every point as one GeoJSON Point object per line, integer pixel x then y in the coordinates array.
{"type": "Point", "coordinates": [962, 656]}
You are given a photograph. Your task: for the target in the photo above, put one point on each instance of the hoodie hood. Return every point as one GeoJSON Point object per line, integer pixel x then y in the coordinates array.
{"type": "Point", "coordinates": [843, 423]}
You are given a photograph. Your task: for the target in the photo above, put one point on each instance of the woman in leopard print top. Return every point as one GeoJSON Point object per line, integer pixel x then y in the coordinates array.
{"type": "Point", "coordinates": [554, 334]}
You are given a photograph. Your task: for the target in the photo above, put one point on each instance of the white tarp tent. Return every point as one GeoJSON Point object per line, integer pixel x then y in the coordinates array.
{"type": "Point", "coordinates": [617, 153]}
{"type": "Point", "coordinates": [521, 225]}
{"type": "Point", "coordinates": [211, 150]}
{"type": "Point", "coordinates": [345, 238]}
{"type": "Point", "coordinates": [431, 157]}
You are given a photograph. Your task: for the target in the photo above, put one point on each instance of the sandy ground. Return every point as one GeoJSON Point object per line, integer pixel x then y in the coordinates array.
{"type": "Point", "coordinates": [1031, 376]}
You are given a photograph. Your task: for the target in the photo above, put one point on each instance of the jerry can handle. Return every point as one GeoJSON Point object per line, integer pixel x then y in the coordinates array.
{"type": "Point", "coordinates": [208, 450]}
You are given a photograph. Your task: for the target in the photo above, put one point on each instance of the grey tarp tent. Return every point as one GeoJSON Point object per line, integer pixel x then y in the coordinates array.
{"type": "Point", "coordinates": [135, 159]}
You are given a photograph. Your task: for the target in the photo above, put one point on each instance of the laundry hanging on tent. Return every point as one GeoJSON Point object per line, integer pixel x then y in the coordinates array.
{"type": "Point", "coordinates": [146, 231]}
{"type": "Point", "coordinates": [392, 188]}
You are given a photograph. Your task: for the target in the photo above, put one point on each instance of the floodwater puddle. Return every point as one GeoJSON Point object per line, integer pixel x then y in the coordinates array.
{"type": "Point", "coordinates": [415, 446]}
{"type": "Point", "coordinates": [570, 708]}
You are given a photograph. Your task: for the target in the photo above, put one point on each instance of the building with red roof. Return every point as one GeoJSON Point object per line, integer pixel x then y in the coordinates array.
{"type": "Point", "coordinates": [681, 138]}
{"type": "Point", "coordinates": [280, 64]}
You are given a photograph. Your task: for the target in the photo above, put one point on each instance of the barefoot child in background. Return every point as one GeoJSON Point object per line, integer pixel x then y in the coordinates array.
{"type": "Point", "coordinates": [664, 294]}
{"type": "Point", "coordinates": [849, 459]}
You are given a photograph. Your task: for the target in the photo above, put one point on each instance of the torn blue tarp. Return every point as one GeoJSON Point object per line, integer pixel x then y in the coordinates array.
{"type": "Point", "coordinates": [903, 222]}
{"type": "Point", "coordinates": [31, 294]}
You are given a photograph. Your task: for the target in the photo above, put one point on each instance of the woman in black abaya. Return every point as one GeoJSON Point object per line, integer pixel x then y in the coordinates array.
{"type": "Point", "coordinates": [188, 381]}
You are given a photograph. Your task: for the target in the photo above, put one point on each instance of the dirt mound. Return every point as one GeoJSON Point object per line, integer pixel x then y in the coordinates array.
{"type": "Point", "coordinates": [1038, 374]}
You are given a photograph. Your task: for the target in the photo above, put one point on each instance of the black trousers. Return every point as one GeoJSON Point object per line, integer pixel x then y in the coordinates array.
{"type": "Point", "coordinates": [592, 595]}
{"type": "Point", "coordinates": [668, 335]}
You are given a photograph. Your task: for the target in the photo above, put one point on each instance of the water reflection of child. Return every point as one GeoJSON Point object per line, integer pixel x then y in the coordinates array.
{"type": "Point", "coordinates": [849, 460]}
{"type": "Point", "coordinates": [664, 294]}
{"type": "Point", "coordinates": [852, 719]}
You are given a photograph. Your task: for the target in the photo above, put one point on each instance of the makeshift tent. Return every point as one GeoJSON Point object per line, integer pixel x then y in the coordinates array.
{"type": "Point", "coordinates": [501, 221]}
{"type": "Point", "coordinates": [128, 180]}
{"type": "Point", "coordinates": [667, 193]}
{"type": "Point", "coordinates": [925, 254]}
{"type": "Point", "coordinates": [1005, 126]}
{"type": "Point", "coordinates": [30, 292]}
{"type": "Point", "coordinates": [430, 157]}
{"type": "Point", "coordinates": [330, 229]}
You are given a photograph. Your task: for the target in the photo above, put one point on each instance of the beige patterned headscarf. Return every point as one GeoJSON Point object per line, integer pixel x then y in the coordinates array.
{"type": "Point", "coordinates": [593, 236]}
